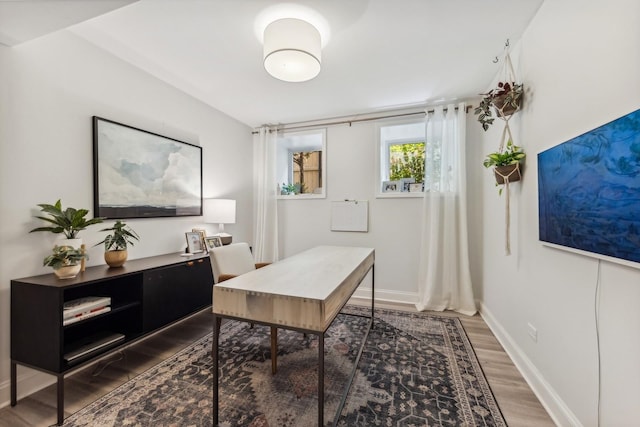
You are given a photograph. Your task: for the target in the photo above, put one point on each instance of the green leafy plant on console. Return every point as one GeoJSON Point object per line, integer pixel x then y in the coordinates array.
{"type": "Point", "coordinates": [64, 256]}
{"type": "Point", "coordinates": [121, 235]}
{"type": "Point", "coordinates": [69, 221]}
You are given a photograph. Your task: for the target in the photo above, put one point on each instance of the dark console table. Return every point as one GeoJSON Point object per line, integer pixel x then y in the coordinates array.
{"type": "Point", "coordinates": [146, 295]}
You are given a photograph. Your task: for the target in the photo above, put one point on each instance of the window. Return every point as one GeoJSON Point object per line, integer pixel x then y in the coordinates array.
{"type": "Point", "coordinates": [307, 170]}
{"type": "Point", "coordinates": [401, 158]}
{"type": "Point", "coordinates": [301, 164]}
{"type": "Point", "coordinates": [406, 160]}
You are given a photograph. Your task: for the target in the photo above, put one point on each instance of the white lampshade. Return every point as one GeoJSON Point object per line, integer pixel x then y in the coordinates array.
{"type": "Point", "coordinates": [292, 50]}
{"type": "Point", "coordinates": [220, 211]}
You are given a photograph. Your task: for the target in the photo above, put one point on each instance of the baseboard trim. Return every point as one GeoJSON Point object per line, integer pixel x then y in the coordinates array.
{"type": "Point", "coordinates": [555, 406]}
{"type": "Point", "coordinates": [387, 296]}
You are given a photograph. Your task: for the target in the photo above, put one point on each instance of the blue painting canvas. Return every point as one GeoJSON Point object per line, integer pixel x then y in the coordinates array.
{"type": "Point", "coordinates": [589, 191]}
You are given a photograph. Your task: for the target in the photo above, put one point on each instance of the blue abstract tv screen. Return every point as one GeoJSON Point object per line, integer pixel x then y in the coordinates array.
{"type": "Point", "coordinates": [589, 191]}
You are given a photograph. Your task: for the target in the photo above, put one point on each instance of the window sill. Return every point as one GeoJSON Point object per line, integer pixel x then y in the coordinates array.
{"type": "Point", "coordinates": [400, 195]}
{"type": "Point", "coordinates": [301, 196]}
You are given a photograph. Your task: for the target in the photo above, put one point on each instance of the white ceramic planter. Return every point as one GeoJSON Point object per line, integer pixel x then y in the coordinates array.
{"type": "Point", "coordinates": [67, 272]}
{"type": "Point", "coordinates": [74, 243]}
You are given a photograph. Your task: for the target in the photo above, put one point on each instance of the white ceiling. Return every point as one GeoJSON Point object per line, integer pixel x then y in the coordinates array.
{"type": "Point", "coordinates": [379, 54]}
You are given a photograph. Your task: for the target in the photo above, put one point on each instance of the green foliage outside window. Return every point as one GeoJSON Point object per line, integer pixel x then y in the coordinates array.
{"type": "Point", "coordinates": [407, 161]}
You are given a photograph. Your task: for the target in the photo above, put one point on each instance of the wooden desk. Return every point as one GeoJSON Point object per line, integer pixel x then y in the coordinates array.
{"type": "Point", "coordinates": [304, 292]}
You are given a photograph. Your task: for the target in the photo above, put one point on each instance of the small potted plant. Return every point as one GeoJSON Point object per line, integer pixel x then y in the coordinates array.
{"type": "Point", "coordinates": [65, 261]}
{"type": "Point", "coordinates": [68, 222]}
{"type": "Point", "coordinates": [115, 244]}
{"type": "Point", "coordinates": [506, 164]}
{"type": "Point", "coordinates": [506, 99]}
{"type": "Point", "coordinates": [290, 188]}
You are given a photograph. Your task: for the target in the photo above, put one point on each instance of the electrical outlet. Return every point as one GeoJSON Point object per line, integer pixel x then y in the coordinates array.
{"type": "Point", "coordinates": [533, 332]}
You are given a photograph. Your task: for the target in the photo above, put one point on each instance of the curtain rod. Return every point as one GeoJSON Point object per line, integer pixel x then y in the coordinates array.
{"type": "Point", "coordinates": [350, 122]}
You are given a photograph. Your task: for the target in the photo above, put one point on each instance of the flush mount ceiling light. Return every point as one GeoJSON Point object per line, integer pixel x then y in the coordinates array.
{"type": "Point", "coordinates": [292, 49]}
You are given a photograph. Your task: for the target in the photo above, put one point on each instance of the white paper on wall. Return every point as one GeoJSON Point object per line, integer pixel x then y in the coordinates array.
{"type": "Point", "coordinates": [350, 215]}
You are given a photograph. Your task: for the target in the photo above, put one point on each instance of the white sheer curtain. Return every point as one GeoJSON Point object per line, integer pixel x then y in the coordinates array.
{"type": "Point", "coordinates": [444, 281]}
{"type": "Point", "coordinates": [265, 247]}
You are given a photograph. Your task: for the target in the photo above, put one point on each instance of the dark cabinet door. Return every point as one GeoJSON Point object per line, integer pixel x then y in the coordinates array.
{"type": "Point", "coordinates": [199, 283]}
{"type": "Point", "coordinates": [36, 323]}
{"type": "Point", "coordinates": [173, 292]}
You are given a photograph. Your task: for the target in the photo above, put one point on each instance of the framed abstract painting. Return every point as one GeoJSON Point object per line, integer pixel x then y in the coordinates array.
{"type": "Point", "coordinates": [140, 174]}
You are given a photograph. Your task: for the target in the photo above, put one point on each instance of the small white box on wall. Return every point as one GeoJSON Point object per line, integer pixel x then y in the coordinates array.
{"type": "Point", "coordinates": [350, 215]}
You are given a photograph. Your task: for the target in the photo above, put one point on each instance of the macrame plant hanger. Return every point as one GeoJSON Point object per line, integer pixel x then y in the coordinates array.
{"type": "Point", "coordinates": [505, 112]}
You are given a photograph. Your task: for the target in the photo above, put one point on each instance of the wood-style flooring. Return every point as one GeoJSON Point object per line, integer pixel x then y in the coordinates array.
{"type": "Point", "coordinates": [517, 402]}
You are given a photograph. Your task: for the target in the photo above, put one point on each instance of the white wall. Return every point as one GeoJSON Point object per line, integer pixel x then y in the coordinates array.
{"type": "Point", "coordinates": [580, 63]}
{"type": "Point", "coordinates": [50, 88]}
{"type": "Point", "coordinates": [394, 223]}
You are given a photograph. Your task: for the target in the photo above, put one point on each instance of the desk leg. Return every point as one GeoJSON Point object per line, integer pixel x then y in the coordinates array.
{"type": "Point", "coordinates": [321, 379]}
{"type": "Point", "coordinates": [60, 387]}
{"type": "Point", "coordinates": [274, 350]}
{"type": "Point", "coordinates": [214, 356]}
{"type": "Point", "coordinates": [373, 291]}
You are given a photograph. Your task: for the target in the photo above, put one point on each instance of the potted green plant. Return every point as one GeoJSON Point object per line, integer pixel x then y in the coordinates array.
{"type": "Point", "coordinates": [506, 99]}
{"type": "Point", "coordinates": [506, 164]}
{"type": "Point", "coordinates": [65, 261]}
{"type": "Point", "coordinates": [69, 221]}
{"type": "Point", "coordinates": [290, 188]}
{"type": "Point", "coordinates": [115, 244]}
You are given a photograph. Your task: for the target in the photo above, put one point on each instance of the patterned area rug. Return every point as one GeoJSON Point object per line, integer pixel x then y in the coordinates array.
{"type": "Point", "coordinates": [416, 370]}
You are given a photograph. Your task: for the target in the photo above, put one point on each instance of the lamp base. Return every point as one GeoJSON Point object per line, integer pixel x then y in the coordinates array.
{"type": "Point", "coordinates": [225, 238]}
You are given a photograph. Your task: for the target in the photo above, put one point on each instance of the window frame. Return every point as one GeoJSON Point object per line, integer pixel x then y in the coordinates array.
{"type": "Point", "coordinates": [284, 154]}
{"type": "Point", "coordinates": [382, 155]}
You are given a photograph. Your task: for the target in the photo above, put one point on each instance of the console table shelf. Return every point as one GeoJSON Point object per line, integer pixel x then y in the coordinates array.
{"type": "Point", "coordinates": [114, 310]}
{"type": "Point", "coordinates": [146, 295]}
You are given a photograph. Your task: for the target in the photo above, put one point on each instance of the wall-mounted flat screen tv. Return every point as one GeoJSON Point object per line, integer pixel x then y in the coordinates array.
{"type": "Point", "coordinates": [589, 192]}
{"type": "Point", "coordinates": [140, 174]}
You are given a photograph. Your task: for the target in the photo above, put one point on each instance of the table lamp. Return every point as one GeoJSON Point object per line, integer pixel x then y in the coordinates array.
{"type": "Point", "coordinates": [221, 212]}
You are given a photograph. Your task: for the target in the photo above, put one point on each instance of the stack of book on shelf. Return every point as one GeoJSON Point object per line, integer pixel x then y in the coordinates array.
{"type": "Point", "coordinates": [84, 308]}
{"type": "Point", "coordinates": [91, 344]}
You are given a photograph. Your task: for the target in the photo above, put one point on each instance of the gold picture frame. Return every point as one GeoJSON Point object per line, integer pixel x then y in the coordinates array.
{"type": "Point", "coordinates": [203, 236]}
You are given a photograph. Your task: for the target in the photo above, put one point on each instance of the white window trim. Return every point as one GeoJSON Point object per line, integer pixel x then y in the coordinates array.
{"type": "Point", "coordinates": [292, 149]}
{"type": "Point", "coordinates": [380, 156]}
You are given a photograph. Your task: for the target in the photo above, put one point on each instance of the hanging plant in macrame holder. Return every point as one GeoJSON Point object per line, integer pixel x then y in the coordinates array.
{"type": "Point", "coordinates": [507, 173]}
{"type": "Point", "coordinates": [505, 100]}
